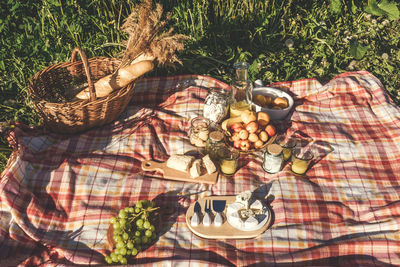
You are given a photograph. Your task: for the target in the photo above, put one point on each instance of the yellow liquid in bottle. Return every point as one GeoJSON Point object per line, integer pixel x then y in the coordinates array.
{"type": "Point", "coordinates": [237, 108]}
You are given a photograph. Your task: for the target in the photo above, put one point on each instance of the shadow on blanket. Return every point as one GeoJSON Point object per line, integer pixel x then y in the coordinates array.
{"type": "Point", "coordinates": [347, 260]}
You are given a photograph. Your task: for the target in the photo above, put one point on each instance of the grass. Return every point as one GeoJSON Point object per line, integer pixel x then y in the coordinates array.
{"type": "Point", "coordinates": [282, 40]}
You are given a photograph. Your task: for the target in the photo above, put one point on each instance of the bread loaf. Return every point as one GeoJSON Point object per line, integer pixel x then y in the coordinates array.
{"type": "Point", "coordinates": [180, 162]}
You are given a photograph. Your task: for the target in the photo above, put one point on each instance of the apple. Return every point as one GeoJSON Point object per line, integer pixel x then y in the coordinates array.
{"type": "Point", "coordinates": [263, 136]}
{"type": "Point", "coordinates": [236, 127]}
{"type": "Point", "coordinates": [248, 116]}
{"type": "Point", "coordinates": [263, 119]}
{"type": "Point", "coordinates": [245, 145]}
{"type": "Point", "coordinates": [237, 143]}
{"type": "Point", "coordinates": [235, 137]}
{"type": "Point", "coordinates": [258, 144]}
{"type": "Point", "coordinates": [253, 137]}
{"type": "Point", "coordinates": [271, 130]}
{"type": "Point", "coordinates": [243, 134]}
{"type": "Point", "coordinates": [252, 127]}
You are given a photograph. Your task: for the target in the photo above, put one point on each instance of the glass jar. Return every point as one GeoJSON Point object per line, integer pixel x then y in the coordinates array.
{"type": "Point", "coordinates": [199, 131]}
{"type": "Point", "coordinates": [229, 158]}
{"type": "Point", "coordinates": [287, 144]}
{"type": "Point", "coordinates": [214, 143]}
{"type": "Point", "coordinates": [273, 158]}
{"type": "Point", "coordinates": [301, 161]}
{"type": "Point", "coordinates": [216, 104]}
{"type": "Point", "coordinates": [241, 85]}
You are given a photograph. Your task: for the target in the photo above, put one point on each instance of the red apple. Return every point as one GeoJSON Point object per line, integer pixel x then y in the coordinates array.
{"type": "Point", "coordinates": [235, 137]}
{"type": "Point", "coordinates": [245, 145]}
{"type": "Point", "coordinates": [258, 144]}
{"type": "Point", "coordinates": [252, 127]}
{"type": "Point", "coordinates": [237, 143]}
{"type": "Point", "coordinates": [253, 137]}
{"type": "Point", "coordinates": [271, 130]}
{"type": "Point", "coordinates": [263, 136]}
{"type": "Point", "coordinates": [236, 127]}
{"type": "Point", "coordinates": [243, 134]}
{"type": "Point", "coordinates": [248, 116]}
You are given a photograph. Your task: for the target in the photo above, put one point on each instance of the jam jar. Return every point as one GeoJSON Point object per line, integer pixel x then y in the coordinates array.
{"type": "Point", "coordinates": [215, 142]}
{"type": "Point", "coordinates": [273, 158]}
{"type": "Point", "coordinates": [216, 105]}
{"type": "Point", "coordinates": [199, 131]}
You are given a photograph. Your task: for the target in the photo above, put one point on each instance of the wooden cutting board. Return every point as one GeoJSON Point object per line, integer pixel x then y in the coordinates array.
{"type": "Point", "coordinates": [225, 231]}
{"type": "Point", "coordinates": [172, 174]}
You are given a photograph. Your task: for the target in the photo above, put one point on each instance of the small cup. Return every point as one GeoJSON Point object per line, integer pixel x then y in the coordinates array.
{"type": "Point", "coordinates": [199, 131]}
{"type": "Point", "coordinates": [301, 160]}
{"type": "Point", "coordinates": [287, 144]}
{"type": "Point", "coordinates": [229, 160]}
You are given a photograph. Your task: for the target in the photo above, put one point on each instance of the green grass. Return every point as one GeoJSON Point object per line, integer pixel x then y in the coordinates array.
{"type": "Point", "coordinates": [282, 40]}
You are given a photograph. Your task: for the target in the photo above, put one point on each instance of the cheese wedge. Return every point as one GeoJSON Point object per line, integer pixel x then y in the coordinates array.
{"type": "Point", "coordinates": [195, 170]}
{"type": "Point", "coordinates": [210, 166]}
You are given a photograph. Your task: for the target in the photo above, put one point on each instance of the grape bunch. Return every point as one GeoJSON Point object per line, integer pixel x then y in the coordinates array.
{"type": "Point", "coordinates": [132, 231]}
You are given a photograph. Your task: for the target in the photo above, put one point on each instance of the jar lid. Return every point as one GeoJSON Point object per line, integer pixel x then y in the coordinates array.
{"type": "Point", "coordinates": [216, 136]}
{"type": "Point", "coordinates": [274, 149]}
{"type": "Point", "coordinates": [200, 122]}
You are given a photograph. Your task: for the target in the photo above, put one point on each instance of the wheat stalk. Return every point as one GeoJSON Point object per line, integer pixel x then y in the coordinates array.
{"type": "Point", "coordinates": [148, 38]}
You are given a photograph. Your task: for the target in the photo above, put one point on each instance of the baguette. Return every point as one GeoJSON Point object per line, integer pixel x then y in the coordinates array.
{"type": "Point", "coordinates": [121, 78]}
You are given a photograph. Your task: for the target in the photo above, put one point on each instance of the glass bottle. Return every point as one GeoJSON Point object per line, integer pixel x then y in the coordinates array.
{"type": "Point", "coordinates": [216, 104]}
{"type": "Point", "coordinates": [241, 85]}
{"type": "Point", "coordinates": [273, 158]}
{"type": "Point", "coordinates": [215, 142]}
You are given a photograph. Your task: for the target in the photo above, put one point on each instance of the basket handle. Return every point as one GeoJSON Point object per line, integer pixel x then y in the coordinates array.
{"type": "Point", "coordinates": [85, 62]}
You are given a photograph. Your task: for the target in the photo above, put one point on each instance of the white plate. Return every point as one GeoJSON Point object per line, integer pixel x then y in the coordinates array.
{"type": "Point", "coordinates": [274, 114]}
{"type": "Point", "coordinates": [234, 221]}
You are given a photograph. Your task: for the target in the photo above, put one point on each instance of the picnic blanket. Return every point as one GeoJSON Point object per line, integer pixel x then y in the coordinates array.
{"type": "Point", "coordinates": [58, 192]}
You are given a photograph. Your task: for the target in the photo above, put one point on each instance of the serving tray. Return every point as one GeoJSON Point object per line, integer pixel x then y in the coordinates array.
{"type": "Point", "coordinates": [225, 231]}
{"type": "Point", "coordinates": [172, 174]}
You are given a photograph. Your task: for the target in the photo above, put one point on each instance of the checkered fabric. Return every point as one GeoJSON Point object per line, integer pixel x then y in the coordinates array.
{"type": "Point", "coordinates": [58, 192]}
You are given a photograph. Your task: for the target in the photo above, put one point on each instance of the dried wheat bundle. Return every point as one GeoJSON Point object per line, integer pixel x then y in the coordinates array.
{"type": "Point", "coordinates": [148, 38]}
{"type": "Point", "coordinates": [148, 43]}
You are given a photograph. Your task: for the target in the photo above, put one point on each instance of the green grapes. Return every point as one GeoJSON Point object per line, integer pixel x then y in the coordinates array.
{"type": "Point", "coordinates": [139, 223]}
{"type": "Point", "coordinates": [148, 233]}
{"type": "Point", "coordinates": [133, 231]}
{"type": "Point", "coordinates": [146, 224]}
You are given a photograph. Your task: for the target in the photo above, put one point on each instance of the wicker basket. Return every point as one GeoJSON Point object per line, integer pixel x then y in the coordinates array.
{"type": "Point", "coordinates": [77, 116]}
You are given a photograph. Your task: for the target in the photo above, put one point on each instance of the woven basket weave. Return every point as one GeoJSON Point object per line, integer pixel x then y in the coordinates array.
{"type": "Point", "coordinates": [81, 115]}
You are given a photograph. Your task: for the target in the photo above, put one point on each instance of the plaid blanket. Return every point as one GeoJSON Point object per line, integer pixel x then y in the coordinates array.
{"type": "Point", "coordinates": [58, 192]}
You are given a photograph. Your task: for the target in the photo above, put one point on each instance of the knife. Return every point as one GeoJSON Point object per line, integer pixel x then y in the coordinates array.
{"type": "Point", "coordinates": [219, 207]}
{"type": "Point", "coordinates": [197, 208]}
{"type": "Point", "coordinates": [195, 220]}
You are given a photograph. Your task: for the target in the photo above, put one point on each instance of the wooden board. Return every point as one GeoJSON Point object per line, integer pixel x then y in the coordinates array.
{"type": "Point", "coordinates": [225, 231]}
{"type": "Point", "coordinates": [172, 174]}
